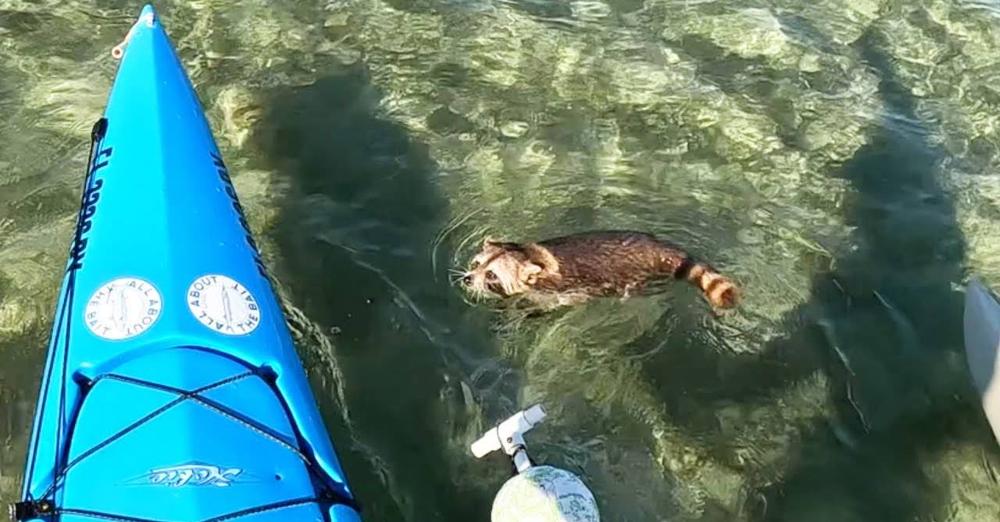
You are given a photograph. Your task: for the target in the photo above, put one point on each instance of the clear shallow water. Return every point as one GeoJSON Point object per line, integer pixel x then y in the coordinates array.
{"type": "Point", "coordinates": [839, 158]}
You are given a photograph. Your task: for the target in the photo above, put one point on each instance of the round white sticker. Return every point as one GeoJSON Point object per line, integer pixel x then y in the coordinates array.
{"type": "Point", "coordinates": [224, 305]}
{"type": "Point", "coordinates": [123, 308]}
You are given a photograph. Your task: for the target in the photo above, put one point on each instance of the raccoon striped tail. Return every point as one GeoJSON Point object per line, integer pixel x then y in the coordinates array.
{"type": "Point", "coordinates": [720, 291]}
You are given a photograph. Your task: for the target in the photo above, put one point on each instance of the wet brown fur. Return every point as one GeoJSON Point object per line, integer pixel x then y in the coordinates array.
{"type": "Point", "coordinates": [573, 268]}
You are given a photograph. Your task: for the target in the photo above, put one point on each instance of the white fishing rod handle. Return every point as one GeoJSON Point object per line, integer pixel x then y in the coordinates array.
{"type": "Point", "coordinates": [509, 434]}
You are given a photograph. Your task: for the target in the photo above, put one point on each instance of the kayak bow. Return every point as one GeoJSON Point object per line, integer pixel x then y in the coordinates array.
{"type": "Point", "coordinates": [171, 389]}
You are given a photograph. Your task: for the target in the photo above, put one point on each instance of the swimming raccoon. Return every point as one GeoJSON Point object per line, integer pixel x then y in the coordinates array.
{"type": "Point", "coordinates": [571, 269]}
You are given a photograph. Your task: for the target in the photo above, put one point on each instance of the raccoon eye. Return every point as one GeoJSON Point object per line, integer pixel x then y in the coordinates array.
{"type": "Point", "coordinates": [474, 265]}
{"type": "Point", "coordinates": [490, 276]}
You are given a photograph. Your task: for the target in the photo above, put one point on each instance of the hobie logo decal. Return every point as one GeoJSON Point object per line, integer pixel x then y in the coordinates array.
{"type": "Point", "coordinates": [194, 475]}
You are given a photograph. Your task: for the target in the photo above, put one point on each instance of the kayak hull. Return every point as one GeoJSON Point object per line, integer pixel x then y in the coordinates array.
{"type": "Point", "coordinates": [172, 389]}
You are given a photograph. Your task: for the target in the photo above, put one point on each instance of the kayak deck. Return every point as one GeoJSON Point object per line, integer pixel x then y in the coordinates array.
{"type": "Point", "coordinates": [172, 389]}
{"type": "Point", "coordinates": [154, 395]}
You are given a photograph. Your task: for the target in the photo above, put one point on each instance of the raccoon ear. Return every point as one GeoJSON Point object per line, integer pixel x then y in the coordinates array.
{"type": "Point", "coordinates": [503, 245]}
{"type": "Point", "coordinates": [530, 272]}
{"type": "Point", "coordinates": [490, 241]}
{"type": "Point", "coordinates": [539, 256]}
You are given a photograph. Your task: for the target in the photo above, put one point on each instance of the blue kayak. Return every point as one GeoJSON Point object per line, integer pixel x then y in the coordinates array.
{"type": "Point", "coordinates": [172, 390]}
